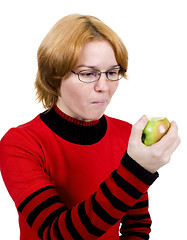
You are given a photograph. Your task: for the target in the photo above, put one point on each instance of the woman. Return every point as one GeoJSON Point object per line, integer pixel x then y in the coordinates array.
{"type": "Point", "coordinates": [73, 172]}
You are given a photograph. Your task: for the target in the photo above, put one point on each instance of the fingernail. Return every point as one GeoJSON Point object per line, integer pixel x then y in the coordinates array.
{"type": "Point", "coordinates": [143, 118]}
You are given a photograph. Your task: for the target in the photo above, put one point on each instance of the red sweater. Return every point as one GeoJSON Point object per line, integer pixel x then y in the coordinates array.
{"type": "Point", "coordinates": [74, 180]}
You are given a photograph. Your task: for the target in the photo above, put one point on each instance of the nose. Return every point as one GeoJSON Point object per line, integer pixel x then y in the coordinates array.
{"type": "Point", "coordinates": [102, 85]}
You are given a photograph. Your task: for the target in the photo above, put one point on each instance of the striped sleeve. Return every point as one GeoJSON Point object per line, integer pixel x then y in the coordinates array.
{"type": "Point", "coordinates": [118, 196]}
{"type": "Point", "coordinates": [136, 224]}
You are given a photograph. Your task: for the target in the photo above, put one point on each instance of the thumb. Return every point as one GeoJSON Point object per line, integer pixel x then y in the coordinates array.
{"type": "Point", "coordinates": [138, 127]}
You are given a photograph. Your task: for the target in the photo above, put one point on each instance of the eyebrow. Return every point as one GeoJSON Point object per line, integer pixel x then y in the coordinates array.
{"type": "Point", "coordinates": [94, 67]}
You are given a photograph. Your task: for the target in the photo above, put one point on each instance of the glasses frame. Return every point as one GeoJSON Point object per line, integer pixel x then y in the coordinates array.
{"type": "Point", "coordinates": [99, 74]}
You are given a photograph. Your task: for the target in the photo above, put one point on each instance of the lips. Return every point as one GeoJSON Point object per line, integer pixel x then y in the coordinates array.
{"type": "Point", "coordinates": [99, 102]}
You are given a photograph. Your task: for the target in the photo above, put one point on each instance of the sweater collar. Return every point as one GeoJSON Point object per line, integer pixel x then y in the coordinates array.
{"type": "Point", "coordinates": [73, 120]}
{"type": "Point", "coordinates": [73, 130]}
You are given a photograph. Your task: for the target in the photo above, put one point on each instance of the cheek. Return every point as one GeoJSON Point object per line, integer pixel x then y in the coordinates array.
{"type": "Point", "coordinates": [75, 94]}
{"type": "Point", "coordinates": [113, 87]}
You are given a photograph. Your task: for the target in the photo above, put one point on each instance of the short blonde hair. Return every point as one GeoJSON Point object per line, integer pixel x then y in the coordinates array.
{"type": "Point", "coordinates": [59, 52]}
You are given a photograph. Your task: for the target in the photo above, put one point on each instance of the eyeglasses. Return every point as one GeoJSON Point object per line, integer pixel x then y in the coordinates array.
{"type": "Point", "coordinates": [92, 75]}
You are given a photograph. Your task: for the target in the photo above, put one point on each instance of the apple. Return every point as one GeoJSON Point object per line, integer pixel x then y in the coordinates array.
{"type": "Point", "coordinates": [155, 129]}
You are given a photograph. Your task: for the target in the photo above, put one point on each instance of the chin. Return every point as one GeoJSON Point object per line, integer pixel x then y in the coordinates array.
{"type": "Point", "coordinates": [93, 117]}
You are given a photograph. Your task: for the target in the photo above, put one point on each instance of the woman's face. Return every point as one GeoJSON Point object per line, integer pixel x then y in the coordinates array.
{"type": "Point", "coordinates": [88, 101]}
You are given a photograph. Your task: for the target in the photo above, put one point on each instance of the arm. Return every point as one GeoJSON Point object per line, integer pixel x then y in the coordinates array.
{"type": "Point", "coordinates": [38, 202]}
{"type": "Point", "coordinates": [136, 223]}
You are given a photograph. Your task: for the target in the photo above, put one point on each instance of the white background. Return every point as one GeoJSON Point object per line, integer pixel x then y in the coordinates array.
{"type": "Point", "coordinates": [154, 32]}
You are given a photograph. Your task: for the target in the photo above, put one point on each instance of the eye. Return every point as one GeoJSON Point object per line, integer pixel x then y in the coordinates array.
{"type": "Point", "coordinates": [88, 73]}
{"type": "Point", "coordinates": [113, 72]}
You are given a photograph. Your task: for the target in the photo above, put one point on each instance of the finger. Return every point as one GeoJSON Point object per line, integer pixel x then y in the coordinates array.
{"type": "Point", "coordinates": [174, 138]}
{"type": "Point", "coordinates": [169, 139]}
{"type": "Point", "coordinates": [138, 127]}
{"type": "Point", "coordinates": [170, 135]}
{"type": "Point", "coordinates": [173, 127]}
{"type": "Point", "coordinates": [173, 146]}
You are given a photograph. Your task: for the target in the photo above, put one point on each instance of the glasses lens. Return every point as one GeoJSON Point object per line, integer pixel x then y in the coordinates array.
{"type": "Point", "coordinates": [115, 74]}
{"type": "Point", "coordinates": [88, 75]}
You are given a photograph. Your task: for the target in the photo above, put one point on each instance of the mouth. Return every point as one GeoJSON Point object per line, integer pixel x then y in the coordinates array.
{"type": "Point", "coordinates": [100, 102]}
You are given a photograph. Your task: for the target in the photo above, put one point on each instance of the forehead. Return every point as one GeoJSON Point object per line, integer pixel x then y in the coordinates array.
{"type": "Point", "coordinates": [97, 54]}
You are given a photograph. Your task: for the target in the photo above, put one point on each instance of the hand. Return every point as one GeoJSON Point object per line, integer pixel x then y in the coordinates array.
{"type": "Point", "coordinates": [152, 157]}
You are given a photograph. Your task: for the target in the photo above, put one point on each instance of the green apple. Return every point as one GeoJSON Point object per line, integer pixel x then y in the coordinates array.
{"type": "Point", "coordinates": [155, 129]}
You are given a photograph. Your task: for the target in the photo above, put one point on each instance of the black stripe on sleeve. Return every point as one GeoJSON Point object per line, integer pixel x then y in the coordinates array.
{"type": "Point", "coordinates": [144, 175]}
{"type": "Point", "coordinates": [144, 236]}
{"type": "Point", "coordinates": [57, 231]}
{"type": "Point", "coordinates": [137, 217]}
{"type": "Point", "coordinates": [71, 228]}
{"type": "Point", "coordinates": [125, 186]}
{"type": "Point", "coordinates": [141, 204]}
{"type": "Point", "coordinates": [48, 234]}
{"type": "Point", "coordinates": [36, 211]}
{"type": "Point", "coordinates": [136, 225]}
{"type": "Point", "coordinates": [116, 203]}
{"type": "Point", "coordinates": [87, 223]}
{"type": "Point", "coordinates": [30, 197]}
{"type": "Point", "coordinates": [100, 212]}
{"type": "Point", "coordinates": [49, 220]}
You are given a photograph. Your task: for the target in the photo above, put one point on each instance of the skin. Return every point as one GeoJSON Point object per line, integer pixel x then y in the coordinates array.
{"type": "Point", "coordinates": [157, 155]}
{"type": "Point", "coordinates": [88, 101]}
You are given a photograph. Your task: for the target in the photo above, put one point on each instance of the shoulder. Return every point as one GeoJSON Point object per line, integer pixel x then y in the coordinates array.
{"type": "Point", "coordinates": [119, 126]}
{"type": "Point", "coordinates": [116, 120]}
{"type": "Point", "coordinates": [118, 123]}
{"type": "Point", "coordinates": [22, 134]}
{"type": "Point", "coordinates": [21, 146]}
